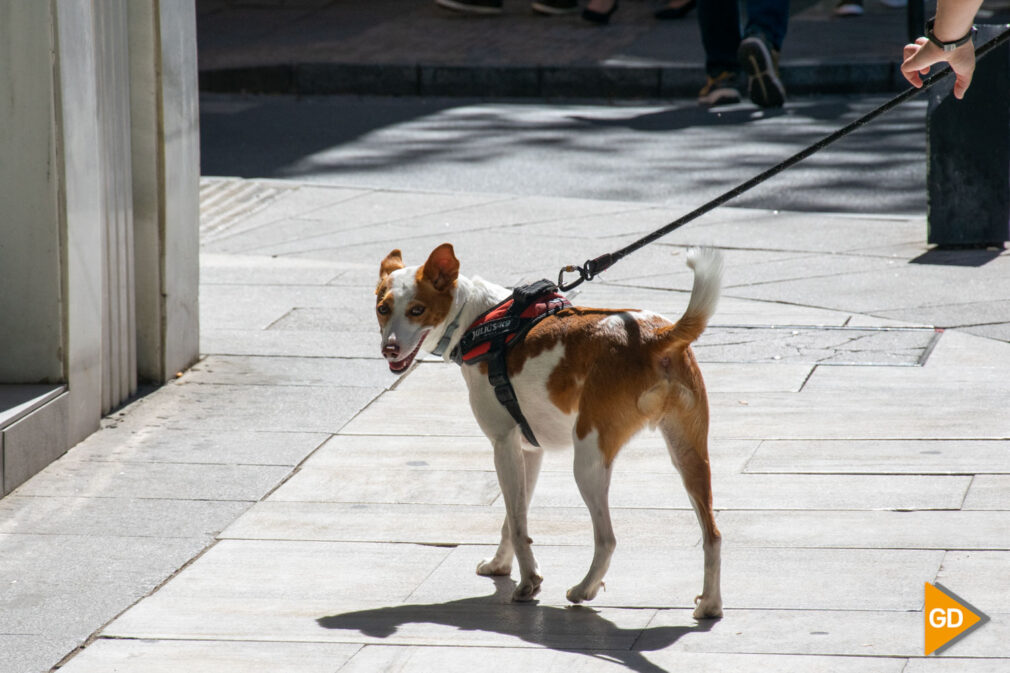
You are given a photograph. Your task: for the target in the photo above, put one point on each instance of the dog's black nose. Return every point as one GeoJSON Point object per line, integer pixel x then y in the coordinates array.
{"type": "Point", "coordinates": [392, 348]}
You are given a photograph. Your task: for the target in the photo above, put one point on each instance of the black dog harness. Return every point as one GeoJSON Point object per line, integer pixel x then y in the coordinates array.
{"type": "Point", "coordinates": [503, 326]}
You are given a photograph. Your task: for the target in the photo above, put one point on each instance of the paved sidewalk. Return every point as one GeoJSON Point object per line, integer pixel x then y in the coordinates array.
{"type": "Point", "coordinates": [408, 47]}
{"type": "Point", "coordinates": [327, 516]}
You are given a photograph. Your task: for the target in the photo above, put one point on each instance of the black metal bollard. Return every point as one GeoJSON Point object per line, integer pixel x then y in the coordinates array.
{"type": "Point", "coordinates": [968, 155]}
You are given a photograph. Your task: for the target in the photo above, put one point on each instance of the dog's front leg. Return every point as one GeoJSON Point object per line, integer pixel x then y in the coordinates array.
{"type": "Point", "coordinates": [501, 562]}
{"type": "Point", "coordinates": [511, 468]}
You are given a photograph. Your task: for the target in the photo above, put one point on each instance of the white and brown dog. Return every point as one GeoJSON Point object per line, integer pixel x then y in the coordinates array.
{"type": "Point", "coordinates": [586, 377]}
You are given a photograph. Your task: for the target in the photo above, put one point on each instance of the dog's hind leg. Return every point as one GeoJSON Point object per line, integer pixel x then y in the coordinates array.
{"type": "Point", "coordinates": [501, 562]}
{"type": "Point", "coordinates": [511, 467]}
{"type": "Point", "coordinates": [592, 474]}
{"type": "Point", "coordinates": [689, 452]}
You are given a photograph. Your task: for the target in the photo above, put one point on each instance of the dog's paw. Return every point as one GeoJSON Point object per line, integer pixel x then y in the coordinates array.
{"type": "Point", "coordinates": [494, 567]}
{"type": "Point", "coordinates": [707, 608]}
{"type": "Point", "coordinates": [580, 593]}
{"type": "Point", "coordinates": [527, 589]}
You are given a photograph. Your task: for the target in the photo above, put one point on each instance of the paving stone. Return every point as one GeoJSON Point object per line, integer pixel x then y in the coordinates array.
{"type": "Point", "coordinates": [979, 576]}
{"type": "Point", "coordinates": [443, 524]}
{"type": "Point", "coordinates": [954, 664]}
{"type": "Point", "coordinates": [268, 408]}
{"type": "Point", "coordinates": [163, 445]}
{"type": "Point", "coordinates": [890, 530]}
{"type": "Point", "coordinates": [33, 653]}
{"type": "Point", "coordinates": [644, 453]}
{"type": "Point", "coordinates": [57, 589]}
{"type": "Point", "coordinates": [381, 452]}
{"type": "Point", "coordinates": [910, 379]}
{"type": "Point", "coordinates": [934, 414]}
{"type": "Point", "coordinates": [767, 578]}
{"type": "Point", "coordinates": [218, 269]}
{"type": "Point", "coordinates": [958, 349]}
{"type": "Point", "coordinates": [253, 371]}
{"type": "Point", "coordinates": [368, 485]}
{"type": "Point", "coordinates": [172, 656]}
{"type": "Point", "coordinates": [522, 660]}
{"type": "Point", "coordinates": [775, 492]}
{"type": "Point", "coordinates": [820, 345]}
{"type": "Point", "coordinates": [864, 634]}
{"type": "Point", "coordinates": [989, 492]}
{"type": "Point", "coordinates": [849, 456]}
{"type": "Point", "coordinates": [140, 517]}
{"type": "Point", "coordinates": [290, 343]}
{"type": "Point", "coordinates": [106, 479]}
{"type": "Point", "coordinates": [401, 413]}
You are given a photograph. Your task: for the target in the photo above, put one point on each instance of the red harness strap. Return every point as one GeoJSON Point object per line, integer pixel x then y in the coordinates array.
{"type": "Point", "coordinates": [491, 335]}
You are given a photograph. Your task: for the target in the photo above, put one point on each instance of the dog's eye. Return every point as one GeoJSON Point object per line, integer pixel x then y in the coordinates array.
{"type": "Point", "coordinates": [382, 309]}
{"type": "Point", "coordinates": [416, 310]}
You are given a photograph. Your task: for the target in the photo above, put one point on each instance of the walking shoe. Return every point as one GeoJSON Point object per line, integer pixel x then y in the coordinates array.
{"type": "Point", "coordinates": [847, 9]}
{"type": "Point", "coordinates": [555, 7]}
{"type": "Point", "coordinates": [472, 6]}
{"type": "Point", "coordinates": [761, 65]}
{"type": "Point", "coordinates": [719, 90]}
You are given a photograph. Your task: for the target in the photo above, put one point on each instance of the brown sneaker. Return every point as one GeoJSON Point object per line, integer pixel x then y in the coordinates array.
{"type": "Point", "coordinates": [719, 90]}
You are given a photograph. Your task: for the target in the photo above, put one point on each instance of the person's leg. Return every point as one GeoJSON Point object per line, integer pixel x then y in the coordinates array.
{"type": "Point", "coordinates": [719, 21]}
{"type": "Point", "coordinates": [759, 51]}
{"type": "Point", "coordinates": [768, 19]}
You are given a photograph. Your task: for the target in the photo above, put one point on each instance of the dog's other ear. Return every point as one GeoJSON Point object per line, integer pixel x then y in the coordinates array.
{"type": "Point", "coordinates": [391, 263]}
{"type": "Point", "coordinates": [442, 267]}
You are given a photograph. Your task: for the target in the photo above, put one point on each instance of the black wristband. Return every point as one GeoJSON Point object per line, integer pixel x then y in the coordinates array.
{"type": "Point", "coordinates": [947, 46]}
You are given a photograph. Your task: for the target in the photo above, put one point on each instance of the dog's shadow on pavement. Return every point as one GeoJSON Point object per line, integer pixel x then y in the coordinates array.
{"type": "Point", "coordinates": [576, 629]}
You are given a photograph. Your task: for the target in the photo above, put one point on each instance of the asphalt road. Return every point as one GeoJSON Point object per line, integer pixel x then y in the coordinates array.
{"type": "Point", "coordinates": [672, 152]}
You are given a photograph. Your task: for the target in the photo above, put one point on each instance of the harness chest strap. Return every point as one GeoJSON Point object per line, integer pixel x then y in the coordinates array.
{"type": "Point", "coordinates": [490, 336]}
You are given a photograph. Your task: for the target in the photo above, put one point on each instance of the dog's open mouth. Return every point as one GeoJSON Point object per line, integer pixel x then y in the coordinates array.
{"type": "Point", "coordinates": [399, 366]}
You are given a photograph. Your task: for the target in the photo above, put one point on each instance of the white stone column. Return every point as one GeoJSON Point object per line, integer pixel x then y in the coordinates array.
{"type": "Point", "coordinates": [166, 183]}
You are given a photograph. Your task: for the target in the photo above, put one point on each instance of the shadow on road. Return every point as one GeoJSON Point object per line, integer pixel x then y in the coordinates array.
{"type": "Point", "coordinates": [576, 629]}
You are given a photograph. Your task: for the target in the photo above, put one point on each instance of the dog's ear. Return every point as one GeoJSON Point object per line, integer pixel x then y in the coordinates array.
{"type": "Point", "coordinates": [442, 267]}
{"type": "Point", "coordinates": [391, 263]}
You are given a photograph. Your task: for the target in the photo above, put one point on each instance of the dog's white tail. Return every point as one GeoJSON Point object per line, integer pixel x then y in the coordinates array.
{"type": "Point", "coordinates": [707, 265]}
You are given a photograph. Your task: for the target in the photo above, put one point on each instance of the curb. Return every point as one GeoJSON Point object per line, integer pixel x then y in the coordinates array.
{"type": "Point", "coordinates": [536, 81]}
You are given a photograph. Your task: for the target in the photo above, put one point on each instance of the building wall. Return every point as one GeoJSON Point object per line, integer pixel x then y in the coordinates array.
{"type": "Point", "coordinates": [98, 242]}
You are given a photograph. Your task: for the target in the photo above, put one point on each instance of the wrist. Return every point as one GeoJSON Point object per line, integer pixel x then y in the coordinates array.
{"type": "Point", "coordinates": [944, 40]}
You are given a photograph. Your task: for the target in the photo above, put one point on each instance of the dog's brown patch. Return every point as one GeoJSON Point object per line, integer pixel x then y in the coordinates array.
{"type": "Point", "coordinates": [606, 369]}
{"type": "Point", "coordinates": [435, 283]}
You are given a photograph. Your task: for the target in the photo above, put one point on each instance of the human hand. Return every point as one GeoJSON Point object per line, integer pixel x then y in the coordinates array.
{"type": "Point", "coordinates": [921, 56]}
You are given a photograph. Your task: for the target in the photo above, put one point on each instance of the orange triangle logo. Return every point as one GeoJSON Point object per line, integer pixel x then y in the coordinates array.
{"type": "Point", "coordinates": [948, 618]}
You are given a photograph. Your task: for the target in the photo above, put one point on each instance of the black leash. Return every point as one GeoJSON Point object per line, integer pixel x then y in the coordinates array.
{"type": "Point", "coordinates": [594, 267]}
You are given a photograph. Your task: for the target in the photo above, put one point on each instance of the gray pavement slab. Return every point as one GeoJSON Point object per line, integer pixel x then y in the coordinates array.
{"type": "Point", "coordinates": [189, 406]}
{"type": "Point", "coordinates": [731, 490]}
{"type": "Point", "coordinates": [874, 530]}
{"type": "Point", "coordinates": [111, 516]}
{"type": "Point", "coordinates": [979, 576]}
{"type": "Point", "coordinates": [348, 343]}
{"type": "Point", "coordinates": [194, 656]}
{"type": "Point", "coordinates": [291, 371]}
{"type": "Point", "coordinates": [445, 525]}
{"type": "Point", "coordinates": [162, 445]}
{"type": "Point", "coordinates": [847, 456]}
{"type": "Point", "coordinates": [989, 491]}
{"type": "Point", "coordinates": [180, 481]}
{"type": "Point", "coordinates": [516, 660]}
{"type": "Point", "coordinates": [392, 486]}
